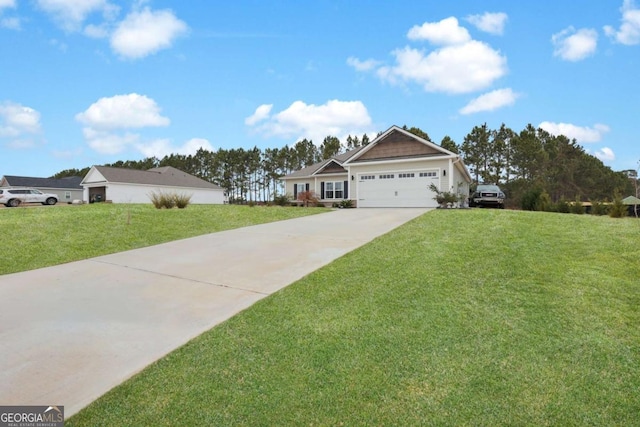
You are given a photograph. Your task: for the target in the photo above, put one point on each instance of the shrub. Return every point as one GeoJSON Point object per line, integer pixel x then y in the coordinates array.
{"type": "Point", "coordinates": [182, 200]}
{"type": "Point", "coordinates": [169, 200]}
{"type": "Point", "coordinates": [530, 200]}
{"type": "Point", "coordinates": [544, 202]}
{"type": "Point", "coordinates": [598, 208]}
{"type": "Point", "coordinates": [577, 207]}
{"type": "Point", "coordinates": [344, 204]}
{"type": "Point", "coordinates": [562, 206]}
{"type": "Point", "coordinates": [282, 199]}
{"type": "Point", "coordinates": [536, 200]}
{"type": "Point", "coordinates": [617, 208]}
{"type": "Point", "coordinates": [308, 198]}
{"type": "Point", "coordinates": [444, 198]}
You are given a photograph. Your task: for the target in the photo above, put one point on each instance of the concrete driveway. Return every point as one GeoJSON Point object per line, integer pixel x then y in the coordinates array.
{"type": "Point", "coordinates": [70, 333]}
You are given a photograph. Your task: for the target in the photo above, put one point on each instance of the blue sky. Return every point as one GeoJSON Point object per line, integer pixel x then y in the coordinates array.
{"type": "Point", "coordinates": [87, 82]}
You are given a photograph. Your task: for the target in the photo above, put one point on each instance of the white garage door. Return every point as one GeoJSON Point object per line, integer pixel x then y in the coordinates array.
{"type": "Point", "coordinates": [397, 189]}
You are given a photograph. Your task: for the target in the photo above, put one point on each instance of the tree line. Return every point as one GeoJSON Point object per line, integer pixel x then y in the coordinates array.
{"type": "Point", "coordinates": [535, 160]}
{"type": "Point", "coordinates": [247, 175]}
{"type": "Point", "coordinates": [518, 162]}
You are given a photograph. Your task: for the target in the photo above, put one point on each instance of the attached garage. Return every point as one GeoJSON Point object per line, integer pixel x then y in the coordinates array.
{"type": "Point", "coordinates": [395, 170]}
{"type": "Point", "coordinates": [406, 189]}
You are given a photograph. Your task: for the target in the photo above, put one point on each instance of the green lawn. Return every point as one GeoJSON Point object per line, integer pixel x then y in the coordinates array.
{"type": "Point", "coordinates": [35, 237]}
{"type": "Point", "coordinates": [460, 317]}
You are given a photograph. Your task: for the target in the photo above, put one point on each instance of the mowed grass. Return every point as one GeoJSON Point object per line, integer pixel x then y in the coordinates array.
{"type": "Point", "coordinates": [34, 237]}
{"type": "Point", "coordinates": [460, 317]}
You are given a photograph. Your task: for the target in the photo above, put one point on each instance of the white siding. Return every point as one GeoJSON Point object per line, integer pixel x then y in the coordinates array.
{"type": "Point", "coordinates": [405, 192]}
{"type": "Point", "coordinates": [136, 193]}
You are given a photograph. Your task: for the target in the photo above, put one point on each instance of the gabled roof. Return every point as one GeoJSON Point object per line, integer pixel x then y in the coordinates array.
{"type": "Point", "coordinates": [393, 144]}
{"type": "Point", "coordinates": [397, 143]}
{"type": "Point", "coordinates": [71, 182]}
{"type": "Point", "coordinates": [164, 176]}
{"type": "Point", "coordinates": [631, 200]}
{"type": "Point", "coordinates": [320, 166]}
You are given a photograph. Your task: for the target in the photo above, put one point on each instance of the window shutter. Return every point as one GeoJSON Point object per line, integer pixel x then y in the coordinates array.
{"type": "Point", "coordinates": [322, 190]}
{"type": "Point", "coordinates": [306, 187]}
{"type": "Point", "coordinates": [346, 190]}
{"type": "Point", "coordinates": [295, 191]}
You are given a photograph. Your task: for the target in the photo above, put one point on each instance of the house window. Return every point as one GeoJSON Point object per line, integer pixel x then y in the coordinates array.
{"type": "Point", "coordinates": [334, 190]}
{"type": "Point", "coordinates": [67, 195]}
{"type": "Point", "coordinates": [406, 175]}
{"type": "Point", "coordinates": [299, 188]}
{"type": "Point", "coordinates": [338, 190]}
{"type": "Point", "coordinates": [387, 176]}
{"type": "Point", "coordinates": [367, 177]}
{"type": "Point", "coordinates": [428, 174]}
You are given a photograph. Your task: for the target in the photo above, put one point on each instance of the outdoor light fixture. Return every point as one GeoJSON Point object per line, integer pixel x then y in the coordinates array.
{"type": "Point", "coordinates": [444, 173]}
{"type": "Point", "coordinates": [352, 177]}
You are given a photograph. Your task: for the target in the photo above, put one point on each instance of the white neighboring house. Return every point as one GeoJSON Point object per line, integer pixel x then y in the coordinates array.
{"type": "Point", "coordinates": [119, 185]}
{"type": "Point", "coordinates": [394, 170]}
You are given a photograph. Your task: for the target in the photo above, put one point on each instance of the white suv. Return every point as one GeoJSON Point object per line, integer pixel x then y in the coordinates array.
{"type": "Point", "coordinates": [12, 197]}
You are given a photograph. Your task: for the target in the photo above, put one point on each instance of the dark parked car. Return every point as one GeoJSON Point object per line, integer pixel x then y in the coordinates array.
{"type": "Point", "coordinates": [487, 195]}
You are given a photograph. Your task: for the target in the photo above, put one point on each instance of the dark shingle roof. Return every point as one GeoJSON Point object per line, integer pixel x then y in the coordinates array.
{"type": "Point", "coordinates": [72, 182]}
{"type": "Point", "coordinates": [310, 170]}
{"type": "Point", "coordinates": [166, 176]}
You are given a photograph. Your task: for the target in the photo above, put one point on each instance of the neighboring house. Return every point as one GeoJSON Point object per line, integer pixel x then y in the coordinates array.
{"type": "Point", "coordinates": [118, 185]}
{"type": "Point", "coordinates": [394, 170]}
{"type": "Point", "coordinates": [633, 205]}
{"type": "Point", "coordinates": [67, 189]}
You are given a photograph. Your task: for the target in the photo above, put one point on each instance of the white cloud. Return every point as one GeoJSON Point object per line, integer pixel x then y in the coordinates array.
{"type": "Point", "coordinates": [70, 14]}
{"type": "Point", "coordinates": [605, 154]}
{"type": "Point", "coordinates": [261, 113]}
{"type": "Point", "coordinates": [145, 32]}
{"type": "Point", "coordinates": [490, 101]}
{"type": "Point", "coordinates": [11, 23]}
{"type": "Point", "coordinates": [445, 32]}
{"type": "Point", "coordinates": [459, 64]}
{"type": "Point", "coordinates": [460, 68]}
{"type": "Point", "coordinates": [108, 121]}
{"type": "Point", "coordinates": [572, 45]}
{"type": "Point", "coordinates": [629, 32]}
{"type": "Point", "coordinates": [162, 147]}
{"type": "Point", "coordinates": [582, 134]}
{"type": "Point", "coordinates": [492, 23]}
{"type": "Point", "coordinates": [97, 31]}
{"type": "Point", "coordinates": [109, 142]}
{"type": "Point", "coordinates": [4, 4]}
{"type": "Point", "coordinates": [17, 120]}
{"type": "Point", "coordinates": [67, 154]}
{"type": "Point", "coordinates": [22, 144]}
{"type": "Point", "coordinates": [315, 122]}
{"type": "Point", "coordinates": [123, 111]}
{"type": "Point", "coordinates": [366, 65]}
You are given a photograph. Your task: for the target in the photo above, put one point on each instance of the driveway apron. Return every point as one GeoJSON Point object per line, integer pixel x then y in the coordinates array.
{"type": "Point", "coordinates": [70, 333]}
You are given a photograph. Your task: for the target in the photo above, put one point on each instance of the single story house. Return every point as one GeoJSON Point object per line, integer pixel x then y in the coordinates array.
{"type": "Point", "coordinates": [67, 189]}
{"type": "Point", "coordinates": [120, 185]}
{"type": "Point", "coordinates": [633, 205]}
{"type": "Point", "coordinates": [394, 170]}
